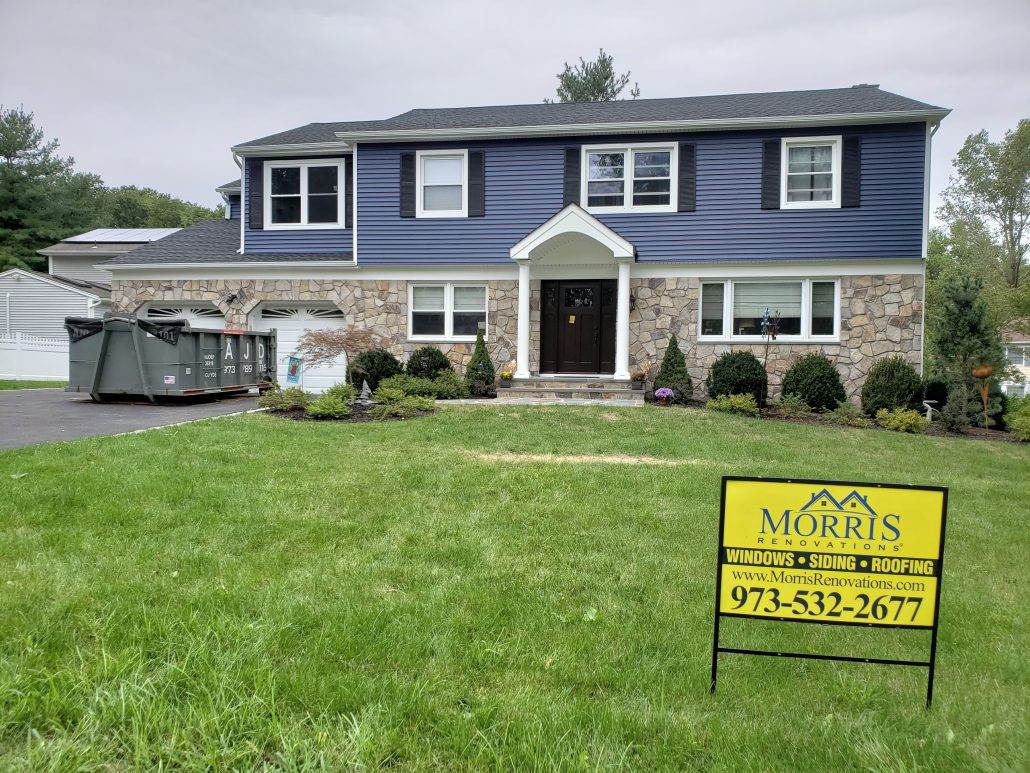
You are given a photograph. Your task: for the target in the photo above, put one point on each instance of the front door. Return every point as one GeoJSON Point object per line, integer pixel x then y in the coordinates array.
{"type": "Point", "coordinates": [577, 326]}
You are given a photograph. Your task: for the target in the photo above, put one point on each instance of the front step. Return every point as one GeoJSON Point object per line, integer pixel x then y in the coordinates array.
{"type": "Point", "coordinates": [571, 388]}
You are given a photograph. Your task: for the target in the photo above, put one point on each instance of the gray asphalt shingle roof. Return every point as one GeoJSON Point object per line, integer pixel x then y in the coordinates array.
{"type": "Point", "coordinates": [211, 241]}
{"type": "Point", "coordinates": [855, 100]}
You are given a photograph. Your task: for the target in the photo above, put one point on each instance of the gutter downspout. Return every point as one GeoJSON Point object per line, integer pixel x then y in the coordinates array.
{"type": "Point", "coordinates": [931, 129]}
{"type": "Point", "coordinates": [243, 196]}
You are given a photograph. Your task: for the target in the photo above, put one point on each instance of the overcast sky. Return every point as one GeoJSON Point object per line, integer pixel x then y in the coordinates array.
{"type": "Point", "coordinates": [154, 92]}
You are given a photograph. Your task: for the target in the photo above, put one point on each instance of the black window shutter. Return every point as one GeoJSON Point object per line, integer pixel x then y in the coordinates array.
{"type": "Point", "coordinates": [348, 194]}
{"type": "Point", "coordinates": [477, 184]}
{"type": "Point", "coordinates": [687, 178]}
{"type": "Point", "coordinates": [572, 175]}
{"type": "Point", "coordinates": [851, 172]}
{"type": "Point", "coordinates": [407, 185]}
{"type": "Point", "coordinates": [771, 174]}
{"type": "Point", "coordinates": [256, 193]}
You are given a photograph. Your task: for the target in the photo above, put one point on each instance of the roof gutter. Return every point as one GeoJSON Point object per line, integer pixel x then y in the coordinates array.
{"type": "Point", "coordinates": [292, 149]}
{"type": "Point", "coordinates": [639, 127]}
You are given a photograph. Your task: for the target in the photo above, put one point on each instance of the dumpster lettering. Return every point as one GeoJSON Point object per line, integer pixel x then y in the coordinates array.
{"type": "Point", "coordinates": [228, 348]}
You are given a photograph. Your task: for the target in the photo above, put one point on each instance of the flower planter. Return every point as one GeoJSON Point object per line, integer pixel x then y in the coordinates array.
{"type": "Point", "coordinates": [505, 383]}
{"type": "Point", "coordinates": [663, 400]}
{"type": "Point", "coordinates": [637, 385]}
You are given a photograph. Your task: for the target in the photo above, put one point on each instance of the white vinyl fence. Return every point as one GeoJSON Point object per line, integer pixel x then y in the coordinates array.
{"type": "Point", "coordinates": [31, 358]}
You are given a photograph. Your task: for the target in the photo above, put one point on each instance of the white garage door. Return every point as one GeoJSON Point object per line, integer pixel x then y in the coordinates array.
{"type": "Point", "coordinates": [290, 322]}
{"type": "Point", "coordinates": [198, 315]}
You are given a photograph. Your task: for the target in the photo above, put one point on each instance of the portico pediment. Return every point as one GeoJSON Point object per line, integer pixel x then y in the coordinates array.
{"type": "Point", "coordinates": [573, 235]}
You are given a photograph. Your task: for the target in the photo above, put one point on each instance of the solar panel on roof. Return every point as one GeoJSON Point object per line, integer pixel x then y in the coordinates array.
{"type": "Point", "coordinates": [123, 235]}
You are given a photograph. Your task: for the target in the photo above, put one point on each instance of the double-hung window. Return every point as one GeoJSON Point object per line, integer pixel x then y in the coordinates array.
{"type": "Point", "coordinates": [304, 194]}
{"type": "Point", "coordinates": [810, 173]}
{"type": "Point", "coordinates": [441, 182]}
{"type": "Point", "coordinates": [807, 308]}
{"type": "Point", "coordinates": [629, 179]}
{"type": "Point", "coordinates": [446, 311]}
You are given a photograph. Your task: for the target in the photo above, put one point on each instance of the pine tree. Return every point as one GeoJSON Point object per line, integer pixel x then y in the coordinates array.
{"type": "Point", "coordinates": [480, 375]}
{"type": "Point", "coordinates": [964, 340]}
{"type": "Point", "coordinates": [673, 373]}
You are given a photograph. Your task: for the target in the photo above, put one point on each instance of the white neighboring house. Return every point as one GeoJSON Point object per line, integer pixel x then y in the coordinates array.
{"type": "Point", "coordinates": [1017, 351]}
{"type": "Point", "coordinates": [33, 305]}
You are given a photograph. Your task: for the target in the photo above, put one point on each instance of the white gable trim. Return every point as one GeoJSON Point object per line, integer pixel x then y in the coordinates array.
{"type": "Point", "coordinates": [47, 280]}
{"type": "Point", "coordinates": [574, 219]}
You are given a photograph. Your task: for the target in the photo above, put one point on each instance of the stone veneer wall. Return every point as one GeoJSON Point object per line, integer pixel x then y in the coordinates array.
{"type": "Point", "coordinates": [880, 316]}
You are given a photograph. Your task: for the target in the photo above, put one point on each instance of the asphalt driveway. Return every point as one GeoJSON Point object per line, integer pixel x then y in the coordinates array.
{"type": "Point", "coordinates": [30, 416]}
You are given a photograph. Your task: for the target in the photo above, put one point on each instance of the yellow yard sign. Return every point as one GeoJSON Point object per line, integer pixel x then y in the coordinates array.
{"type": "Point", "coordinates": [830, 552]}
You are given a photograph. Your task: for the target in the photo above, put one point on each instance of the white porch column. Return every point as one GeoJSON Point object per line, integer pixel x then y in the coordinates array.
{"type": "Point", "coordinates": [622, 322]}
{"type": "Point", "coordinates": [522, 348]}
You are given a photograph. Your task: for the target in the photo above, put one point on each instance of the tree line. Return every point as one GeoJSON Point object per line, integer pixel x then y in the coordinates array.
{"type": "Point", "coordinates": [43, 199]}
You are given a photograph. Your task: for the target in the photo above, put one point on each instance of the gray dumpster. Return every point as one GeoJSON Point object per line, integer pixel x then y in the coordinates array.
{"type": "Point", "coordinates": [122, 355]}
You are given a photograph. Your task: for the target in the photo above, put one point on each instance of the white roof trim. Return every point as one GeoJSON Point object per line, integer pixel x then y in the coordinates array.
{"type": "Point", "coordinates": [301, 148]}
{"type": "Point", "coordinates": [49, 281]}
{"type": "Point", "coordinates": [574, 219]}
{"type": "Point", "coordinates": [643, 127]}
{"type": "Point", "coordinates": [230, 264]}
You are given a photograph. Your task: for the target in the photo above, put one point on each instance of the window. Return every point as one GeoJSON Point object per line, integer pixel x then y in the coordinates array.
{"type": "Point", "coordinates": [807, 308]}
{"type": "Point", "coordinates": [637, 178]}
{"type": "Point", "coordinates": [442, 184]}
{"type": "Point", "coordinates": [447, 311]}
{"type": "Point", "coordinates": [304, 194]}
{"type": "Point", "coordinates": [1018, 355]}
{"type": "Point", "coordinates": [810, 170]}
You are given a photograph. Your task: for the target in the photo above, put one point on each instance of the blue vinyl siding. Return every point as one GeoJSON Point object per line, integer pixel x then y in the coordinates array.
{"type": "Point", "coordinates": [293, 241]}
{"type": "Point", "coordinates": [234, 207]}
{"type": "Point", "coordinates": [524, 180]}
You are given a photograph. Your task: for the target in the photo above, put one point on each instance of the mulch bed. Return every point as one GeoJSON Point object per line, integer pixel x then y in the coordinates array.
{"type": "Point", "coordinates": [360, 414]}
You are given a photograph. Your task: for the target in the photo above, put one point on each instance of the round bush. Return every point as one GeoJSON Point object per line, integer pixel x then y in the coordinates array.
{"type": "Point", "coordinates": [891, 383]}
{"type": "Point", "coordinates": [814, 379]}
{"type": "Point", "coordinates": [738, 373]}
{"type": "Point", "coordinates": [373, 366]}
{"type": "Point", "coordinates": [427, 362]}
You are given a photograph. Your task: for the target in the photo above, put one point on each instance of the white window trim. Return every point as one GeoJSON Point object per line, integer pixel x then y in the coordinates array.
{"type": "Point", "coordinates": [341, 194]}
{"type": "Point", "coordinates": [805, 336]}
{"type": "Point", "coordinates": [420, 211]}
{"type": "Point", "coordinates": [627, 191]}
{"type": "Point", "coordinates": [834, 141]}
{"type": "Point", "coordinates": [448, 312]}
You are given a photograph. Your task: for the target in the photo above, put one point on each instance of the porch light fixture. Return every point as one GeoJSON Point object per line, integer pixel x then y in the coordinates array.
{"type": "Point", "coordinates": [632, 302]}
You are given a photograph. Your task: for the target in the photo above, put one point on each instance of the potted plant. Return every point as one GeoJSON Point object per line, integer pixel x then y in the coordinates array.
{"type": "Point", "coordinates": [639, 377]}
{"type": "Point", "coordinates": [506, 378]}
{"type": "Point", "coordinates": [663, 395]}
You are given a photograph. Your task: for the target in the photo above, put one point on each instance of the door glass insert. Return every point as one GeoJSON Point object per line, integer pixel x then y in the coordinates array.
{"type": "Point", "coordinates": [579, 297]}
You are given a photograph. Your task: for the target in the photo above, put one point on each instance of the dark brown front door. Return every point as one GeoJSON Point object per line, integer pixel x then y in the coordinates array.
{"type": "Point", "coordinates": [577, 326]}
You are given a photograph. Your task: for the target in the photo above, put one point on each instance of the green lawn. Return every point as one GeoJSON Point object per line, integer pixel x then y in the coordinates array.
{"type": "Point", "coordinates": [456, 593]}
{"type": "Point", "coordinates": [8, 384]}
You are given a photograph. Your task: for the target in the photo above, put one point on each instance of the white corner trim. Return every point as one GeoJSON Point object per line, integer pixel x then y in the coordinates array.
{"type": "Point", "coordinates": [354, 200]}
{"type": "Point", "coordinates": [573, 219]}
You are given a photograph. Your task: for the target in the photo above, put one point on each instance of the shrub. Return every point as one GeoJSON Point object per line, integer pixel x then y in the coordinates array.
{"type": "Point", "coordinates": [1018, 419]}
{"type": "Point", "coordinates": [792, 406]}
{"type": "Point", "coordinates": [814, 379]}
{"type": "Point", "coordinates": [480, 375]}
{"type": "Point", "coordinates": [386, 395]}
{"type": "Point", "coordinates": [280, 400]}
{"type": "Point", "coordinates": [901, 420]}
{"type": "Point", "coordinates": [403, 407]}
{"type": "Point", "coordinates": [741, 404]}
{"type": "Point", "coordinates": [846, 415]}
{"type": "Point", "coordinates": [738, 373]}
{"type": "Point", "coordinates": [892, 383]}
{"type": "Point", "coordinates": [428, 362]}
{"type": "Point", "coordinates": [373, 366]}
{"type": "Point", "coordinates": [672, 374]}
{"type": "Point", "coordinates": [449, 386]}
{"type": "Point", "coordinates": [446, 386]}
{"type": "Point", "coordinates": [341, 391]}
{"type": "Point", "coordinates": [330, 405]}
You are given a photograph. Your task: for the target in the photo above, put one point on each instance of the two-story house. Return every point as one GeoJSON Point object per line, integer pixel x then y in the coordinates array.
{"type": "Point", "coordinates": [579, 236]}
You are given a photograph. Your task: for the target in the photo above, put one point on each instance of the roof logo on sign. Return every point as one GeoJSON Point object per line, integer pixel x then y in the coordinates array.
{"type": "Point", "coordinates": [824, 500]}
